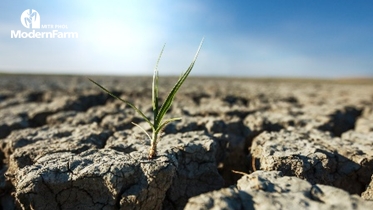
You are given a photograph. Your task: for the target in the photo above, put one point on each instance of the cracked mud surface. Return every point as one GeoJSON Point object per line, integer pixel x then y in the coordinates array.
{"type": "Point", "coordinates": [64, 143]}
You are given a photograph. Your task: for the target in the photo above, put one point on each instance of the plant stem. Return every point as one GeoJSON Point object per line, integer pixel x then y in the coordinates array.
{"type": "Point", "coordinates": [153, 146]}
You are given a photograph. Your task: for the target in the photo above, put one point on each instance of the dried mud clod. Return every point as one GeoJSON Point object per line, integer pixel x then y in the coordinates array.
{"type": "Point", "coordinates": [272, 190]}
{"type": "Point", "coordinates": [345, 162]}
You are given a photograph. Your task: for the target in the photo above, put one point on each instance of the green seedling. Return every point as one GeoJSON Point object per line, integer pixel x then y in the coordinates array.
{"type": "Point", "coordinates": [158, 111]}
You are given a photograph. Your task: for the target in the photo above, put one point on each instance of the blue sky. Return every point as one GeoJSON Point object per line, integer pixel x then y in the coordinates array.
{"type": "Point", "coordinates": [282, 38]}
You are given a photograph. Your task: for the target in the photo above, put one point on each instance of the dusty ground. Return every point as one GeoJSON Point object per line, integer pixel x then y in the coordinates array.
{"type": "Point", "coordinates": [64, 139]}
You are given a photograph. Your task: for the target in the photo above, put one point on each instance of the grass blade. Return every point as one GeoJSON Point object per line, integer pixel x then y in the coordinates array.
{"type": "Point", "coordinates": [150, 138]}
{"type": "Point", "coordinates": [166, 122]}
{"type": "Point", "coordinates": [168, 102]}
{"type": "Point", "coordinates": [155, 86]}
{"type": "Point", "coordinates": [127, 102]}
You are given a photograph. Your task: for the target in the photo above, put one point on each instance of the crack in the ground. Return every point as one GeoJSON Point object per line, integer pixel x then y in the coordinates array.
{"type": "Point", "coordinates": [342, 121]}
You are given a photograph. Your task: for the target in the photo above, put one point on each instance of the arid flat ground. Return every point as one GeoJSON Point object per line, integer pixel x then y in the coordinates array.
{"type": "Point", "coordinates": [244, 124]}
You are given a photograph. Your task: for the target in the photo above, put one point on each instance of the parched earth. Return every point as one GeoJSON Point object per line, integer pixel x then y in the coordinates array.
{"type": "Point", "coordinates": [241, 144]}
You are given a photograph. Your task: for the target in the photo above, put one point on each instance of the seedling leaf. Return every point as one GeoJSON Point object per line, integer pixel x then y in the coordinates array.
{"type": "Point", "coordinates": [155, 86]}
{"type": "Point", "coordinates": [168, 102]}
{"type": "Point", "coordinates": [150, 138]}
{"type": "Point", "coordinates": [127, 102]}
{"type": "Point", "coordinates": [166, 122]}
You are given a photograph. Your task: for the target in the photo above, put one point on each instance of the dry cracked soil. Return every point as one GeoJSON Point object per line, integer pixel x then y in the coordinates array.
{"type": "Point", "coordinates": [241, 144]}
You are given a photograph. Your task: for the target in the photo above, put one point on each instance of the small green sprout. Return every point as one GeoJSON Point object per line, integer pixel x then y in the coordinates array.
{"type": "Point", "coordinates": [158, 111]}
